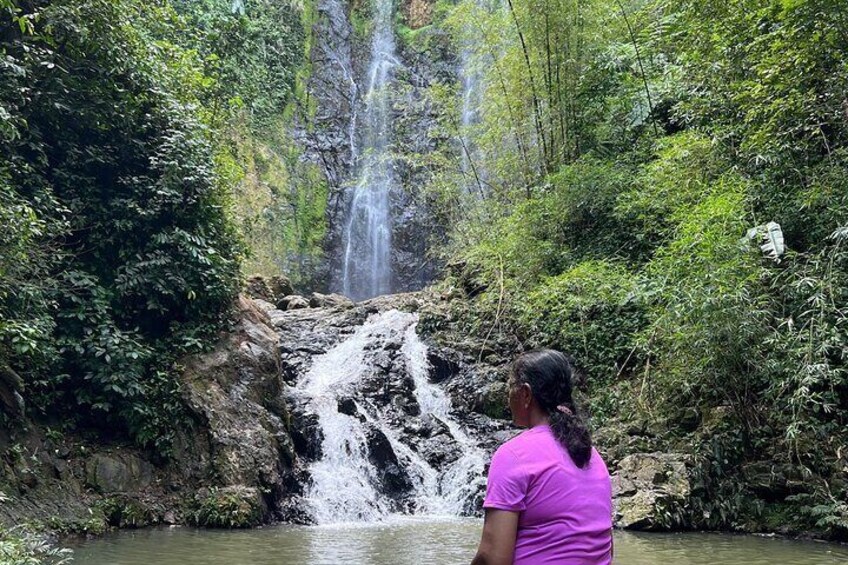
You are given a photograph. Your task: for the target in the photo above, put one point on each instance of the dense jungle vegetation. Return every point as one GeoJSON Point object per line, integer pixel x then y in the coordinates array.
{"type": "Point", "coordinates": [659, 187]}
{"type": "Point", "coordinates": [628, 160]}
{"type": "Point", "coordinates": [145, 162]}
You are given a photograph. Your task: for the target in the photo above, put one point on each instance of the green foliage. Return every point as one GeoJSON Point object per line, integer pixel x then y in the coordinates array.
{"type": "Point", "coordinates": [626, 148]}
{"type": "Point", "coordinates": [18, 546]}
{"type": "Point", "coordinates": [125, 125]}
{"type": "Point", "coordinates": [233, 507]}
{"type": "Point", "coordinates": [126, 512]}
{"type": "Point", "coordinates": [251, 57]}
{"type": "Point", "coordinates": [825, 512]}
{"type": "Point", "coordinates": [25, 321]}
{"type": "Point", "coordinates": [253, 68]}
{"type": "Point", "coordinates": [709, 320]}
{"type": "Point", "coordinates": [281, 205]}
{"type": "Point", "coordinates": [774, 90]}
{"type": "Point", "coordinates": [591, 310]}
{"type": "Point", "coordinates": [123, 243]}
{"type": "Point", "coordinates": [682, 174]}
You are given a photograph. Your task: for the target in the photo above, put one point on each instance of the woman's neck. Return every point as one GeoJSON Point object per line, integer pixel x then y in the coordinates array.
{"type": "Point", "coordinates": [537, 417]}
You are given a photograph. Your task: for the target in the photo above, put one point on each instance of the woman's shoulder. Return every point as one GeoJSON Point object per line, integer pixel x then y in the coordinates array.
{"type": "Point", "coordinates": [597, 463]}
{"type": "Point", "coordinates": [524, 445]}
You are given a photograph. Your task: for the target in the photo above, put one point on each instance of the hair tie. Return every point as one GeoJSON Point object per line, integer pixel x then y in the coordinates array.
{"type": "Point", "coordinates": [565, 410]}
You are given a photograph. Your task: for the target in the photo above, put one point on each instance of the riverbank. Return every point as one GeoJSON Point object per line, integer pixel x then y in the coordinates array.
{"type": "Point", "coordinates": [690, 467]}
{"type": "Point", "coordinates": [242, 458]}
{"type": "Point", "coordinates": [232, 464]}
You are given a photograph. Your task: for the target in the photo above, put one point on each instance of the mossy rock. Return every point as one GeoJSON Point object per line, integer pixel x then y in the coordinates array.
{"type": "Point", "coordinates": [94, 526]}
{"type": "Point", "coordinates": [118, 472]}
{"type": "Point", "coordinates": [227, 507]}
{"type": "Point", "coordinates": [494, 400]}
{"type": "Point", "coordinates": [128, 512]}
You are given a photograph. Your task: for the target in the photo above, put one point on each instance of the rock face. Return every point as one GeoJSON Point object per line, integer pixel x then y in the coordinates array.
{"type": "Point", "coordinates": [651, 491]}
{"type": "Point", "coordinates": [118, 473]}
{"type": "Point", "coordinates": [237, 395]}
{"type": "Point", "coordinates": [235, 465]}
{"type": "Point", "coordinates": [42, 480]}
{"type": "Point", "coordinates": [333, 138]}
{"type": "Point", "coordinates": [329, 136]}
{"type": "Point", "coordinates": [333, 84]}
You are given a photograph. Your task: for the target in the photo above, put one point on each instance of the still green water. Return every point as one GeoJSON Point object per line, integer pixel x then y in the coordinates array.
{"type": "Point", "coordinates": [419, 542]}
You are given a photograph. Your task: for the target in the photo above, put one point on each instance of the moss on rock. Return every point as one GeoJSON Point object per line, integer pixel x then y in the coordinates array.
{"type": "Point", "coordinates": [228, 507]}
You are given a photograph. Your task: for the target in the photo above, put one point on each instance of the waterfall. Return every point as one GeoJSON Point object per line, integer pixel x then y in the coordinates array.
{"type": "Point", "coordinates": [353, 91]}
{"type": "Point", "coordinates": [471, 72]}
{"type": "Point", "coordinates": [368, 392]}
{"type": "Point", "coordinates": [366, 269]}
{"type": "Point", "coordinates": [471, 98]}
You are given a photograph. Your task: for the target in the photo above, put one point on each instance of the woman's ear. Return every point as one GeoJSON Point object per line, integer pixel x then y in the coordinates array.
{"type": "Point", "coordinates": [526, 395]}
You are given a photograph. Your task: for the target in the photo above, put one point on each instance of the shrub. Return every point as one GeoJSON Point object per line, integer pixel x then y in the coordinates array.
{"type": "Point", "coordinates": [18, 546]}
{"type": "Point", "coordinates": [229, 507]}
{"type": "Point", "coordinates": [593, 311]}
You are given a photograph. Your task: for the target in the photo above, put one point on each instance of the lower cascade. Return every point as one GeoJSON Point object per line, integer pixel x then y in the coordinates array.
{"type": "Point", "coordinates": [388, 442]}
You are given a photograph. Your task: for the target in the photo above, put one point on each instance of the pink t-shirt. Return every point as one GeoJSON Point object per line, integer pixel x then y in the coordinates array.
{"type": "Point", "coordinates": [565, 512]}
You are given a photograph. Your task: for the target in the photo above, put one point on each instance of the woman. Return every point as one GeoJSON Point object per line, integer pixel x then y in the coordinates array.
{"type": "Point", "coordinates": [548, 498]}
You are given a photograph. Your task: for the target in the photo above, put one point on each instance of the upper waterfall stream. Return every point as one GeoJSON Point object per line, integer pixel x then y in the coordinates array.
{"type": "Point", "coordinates": [366, 269]}
{"type": "Point", "coordinates": [388, 441]}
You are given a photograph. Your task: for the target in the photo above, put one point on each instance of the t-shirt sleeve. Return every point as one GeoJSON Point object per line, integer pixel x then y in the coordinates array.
{"type": "Point", "coordinates": [507, 484]}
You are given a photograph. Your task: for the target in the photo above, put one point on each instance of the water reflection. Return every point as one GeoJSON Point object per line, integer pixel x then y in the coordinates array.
{"type": "Point", "coordinates": [715, 549]}
{"type": "Point", "coordinates": [421, 541]}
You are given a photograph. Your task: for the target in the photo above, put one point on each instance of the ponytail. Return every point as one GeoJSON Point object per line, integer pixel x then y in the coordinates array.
{"type": "Point", "coordinates": [570, 430]}
{"type": "Point", "coordinates": [549, 374]}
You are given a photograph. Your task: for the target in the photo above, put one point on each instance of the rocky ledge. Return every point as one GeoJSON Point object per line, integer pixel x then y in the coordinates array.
{"type": "Point", "coordinates": [233, 464]}
{"type": "Point", "coordinates": [242, 460]}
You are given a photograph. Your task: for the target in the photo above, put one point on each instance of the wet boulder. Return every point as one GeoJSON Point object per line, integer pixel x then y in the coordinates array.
{"type": "Point", "coordinates": [235, 396]}
{"type": "Point", "coordinates": [318, 300]}
{"type": "Point", "coordinates": [493, 400]}
{"type": "Point", "coordinates": [305, 430]}
{"type": "Point", "coordinates": [436, 444]}
{"type": "Point", "coordinates": [293, 302]}
{"type": "Point", "coordinates": [392, 477]}
{"type": "Point", "coordinates": [347, 406]}
{"type": "Point", "coordinates": [651, 491]}
{"type": "Point", "coordinates": [271, 289]}
{"type": "Point", "coordinates": [280, 286]}
{"type": "Point", "coordinates": [443, 364]}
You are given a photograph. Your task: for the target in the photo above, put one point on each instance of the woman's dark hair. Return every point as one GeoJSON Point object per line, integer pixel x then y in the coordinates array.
{"type": "Point", "coordinates": [549, 374]}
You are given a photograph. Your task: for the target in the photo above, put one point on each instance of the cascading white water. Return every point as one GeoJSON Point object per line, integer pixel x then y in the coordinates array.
{"type": "Point", "coordinates": [471, 98]}
{"type": "Point", "coordinates": [471, 72]}
{"type": "Point", "coordinates": [344, 483]}
{"type": "Point", "coordinates": [366, 269]}
{"type": "Point", "coordinates": [342, 487]}
{"type": "Point", "coordinates": [465, 476]}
